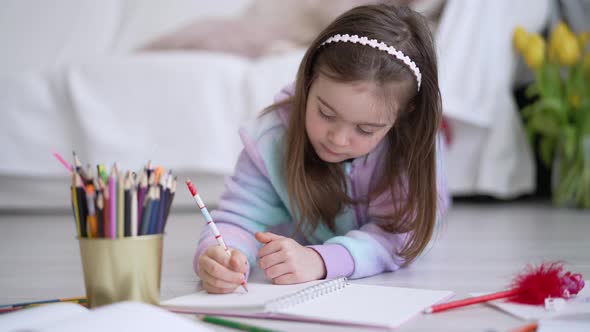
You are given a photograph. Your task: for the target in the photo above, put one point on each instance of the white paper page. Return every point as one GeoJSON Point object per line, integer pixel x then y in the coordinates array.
{"type": "Point", "coordinates": [33, 319]}
{"type": "Point", "coordinates": [579, 323]}
{"type": "Point", "coordinates": [576, 305]}
{"type": "Point", "coordinates": [369, 304]}
{"type": "Point", "coordinates": [258, 294]}
{"type": "Point", "coordinates": [128, 316]}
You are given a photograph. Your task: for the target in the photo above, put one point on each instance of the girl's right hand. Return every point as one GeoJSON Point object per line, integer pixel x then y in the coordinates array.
{"type": "Point", "coordinates": [221, 273]}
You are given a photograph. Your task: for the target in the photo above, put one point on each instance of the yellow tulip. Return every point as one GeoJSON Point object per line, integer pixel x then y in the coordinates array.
{"type": "Point", "coordinates": [519, 38]}
{"type": "Point", "coordinates": [534, 54]}
{"type": "Point", "coordinates": [557, 35]}
{"type": "Point", "coordinates": [569, 50]}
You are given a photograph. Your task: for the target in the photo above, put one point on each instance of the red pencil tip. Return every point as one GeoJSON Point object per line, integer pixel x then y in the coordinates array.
{"type": "Point", "coordinates": [191, 188]}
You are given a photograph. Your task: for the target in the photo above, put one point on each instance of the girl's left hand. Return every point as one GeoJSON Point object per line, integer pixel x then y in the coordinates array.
{"type": "Point", "coordinates": [285, 261]}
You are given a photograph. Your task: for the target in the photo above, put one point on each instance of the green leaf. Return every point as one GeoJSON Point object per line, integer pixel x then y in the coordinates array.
{"type": "Point", "coordinates": [570, 141]}
{"type": "Point", "coordinates": [552, 81]}
{"type": "Point", "coordinates": [545, 123]}
{"type": "Point", "coordinates": [554, 104]}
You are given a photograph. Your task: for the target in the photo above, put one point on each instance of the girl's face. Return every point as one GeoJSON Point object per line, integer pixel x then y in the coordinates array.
{"type": "Point", "coordinates": [346, 120]}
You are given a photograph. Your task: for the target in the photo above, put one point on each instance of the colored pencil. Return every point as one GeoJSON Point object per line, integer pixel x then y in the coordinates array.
{"type": "Point", "coordinates": [102, 173]}
{"type": "Point", "coordinates": [91, 218]}
{"type": "Point", "coordinates": [62, 161]}
{"type": "Point", "coordinates": [113, 203]}
{"type": "Point", "coordinates": [147, 208]}
{"type": "Point", "coordinates": [7, 310]}
{"type": "Point", "coordinates": [86, 173]}
{"type": "Point", "coordinates": [77, 163]}
{"type": "Point", "coordinates": [120, 205]}
{"type": "Point", "coordinates": [210, 222]}
{"type": "Point", "coordinates": [127, 204]}
{"type": "Point", "coordinates": [22, 304]}
{"type": "Point", "coordinates": [107, 210]}
{"type": "Point", "coordinates": [149, 169]}
{"type": "Point", "coordinates": [133, 208]}
{"type": "Point", "coordinates": [532, 327]}
{"type": "Point", "coordinates": [170, 199]}
{"type": "Point", "coordinates": [162, 208]}
{"type": "Point", "coordinates": [157, 174]}
{"type": "Point", "coordinates": [468, 301]}
{"type": "Point", "coordinates": [153, 221]}
{"type": "Point", "coordinates": [82, 205]}
{"type": "Point", "coordinates": [100, 214]}
{"type": "Point", "coordinates": [75, 205]}
{"type": "Point", "coordinates": [142, 191]}
{"type": "Point", "coordinates": [233, 324]}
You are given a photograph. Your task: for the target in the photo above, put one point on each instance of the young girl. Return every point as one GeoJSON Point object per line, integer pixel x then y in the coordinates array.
{"type": "Point", "coordinates": [345, 160]}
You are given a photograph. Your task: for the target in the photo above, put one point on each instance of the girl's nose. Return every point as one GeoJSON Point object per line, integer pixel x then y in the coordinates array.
{"type": "Point", "coordinates": [338, 136]}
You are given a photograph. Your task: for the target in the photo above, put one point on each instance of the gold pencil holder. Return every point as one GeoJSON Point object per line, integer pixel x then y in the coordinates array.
{"type": "Point", "coordinates": [123, 269]}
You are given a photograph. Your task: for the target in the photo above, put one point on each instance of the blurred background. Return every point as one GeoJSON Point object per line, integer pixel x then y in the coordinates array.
{"type": "Point", "coordinates": [132, 81]}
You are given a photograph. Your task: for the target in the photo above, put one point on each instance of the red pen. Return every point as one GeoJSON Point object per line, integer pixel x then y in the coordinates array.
{"type": "Point", "coordinates": [469, 301]}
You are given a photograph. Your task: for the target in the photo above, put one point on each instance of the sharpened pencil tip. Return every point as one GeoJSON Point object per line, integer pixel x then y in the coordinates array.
{"type": "Point", "coordinates": [428, 310]}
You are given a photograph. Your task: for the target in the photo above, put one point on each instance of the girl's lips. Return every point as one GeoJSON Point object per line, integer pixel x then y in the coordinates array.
{"type": "Point", "coordinates": [330, 151]}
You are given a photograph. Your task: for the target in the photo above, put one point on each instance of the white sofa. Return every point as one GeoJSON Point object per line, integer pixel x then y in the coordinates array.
{"type": "Point", "coordinates": [70, 79]}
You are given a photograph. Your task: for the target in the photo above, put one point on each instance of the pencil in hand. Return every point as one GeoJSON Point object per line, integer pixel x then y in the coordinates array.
{"type": "Point", "coordinates": [210, 223]}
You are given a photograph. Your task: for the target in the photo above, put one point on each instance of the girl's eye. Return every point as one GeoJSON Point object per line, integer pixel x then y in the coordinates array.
{"type": "Point", "coordinates": [361, 131]}
{"type": "Point", "coordinates": [324, 115]}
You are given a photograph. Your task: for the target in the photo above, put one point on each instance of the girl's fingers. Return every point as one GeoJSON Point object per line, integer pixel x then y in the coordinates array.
{"type": "Point", "coordinates": [286, 279]}
{"type": "Point", "coordinates": [277, 271]}
{"type": "Point", "coordinates": [217, 290]}
{"type": "Point", "coordinates": [219, 255]}
{"type": "Point", "coordinates": [271, 260]}
{"type": "Point", "coordinates": [217, 283]}
{"type": "Point", "coordinates": [269, 248]}
{"type": "Point", "coordinates": [219, 271]}
{"type": "Point", "coordinates": [238, 262]}
{"type": "Point", "coordinates": [265, 237]}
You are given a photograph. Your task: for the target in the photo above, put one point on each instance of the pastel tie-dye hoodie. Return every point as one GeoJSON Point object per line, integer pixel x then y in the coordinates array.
{"type": "Point", "coordinates": [256, 200]}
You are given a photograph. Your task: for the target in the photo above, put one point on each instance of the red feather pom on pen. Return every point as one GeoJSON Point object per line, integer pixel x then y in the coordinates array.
{"type": "Point", "coordinates": [532, 286]}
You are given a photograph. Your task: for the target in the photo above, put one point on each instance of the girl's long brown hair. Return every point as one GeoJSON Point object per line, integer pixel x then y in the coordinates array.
{"type": "Point", "coordinates": [317, 190]}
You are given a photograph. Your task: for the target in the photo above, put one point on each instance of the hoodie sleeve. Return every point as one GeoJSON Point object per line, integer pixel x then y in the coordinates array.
{"type": "Point", "coordinates": [250, 202]}
{"type": "Point", "coordinates": [248, 205]}
{"type": "Point", "coordinates": [371, 250]}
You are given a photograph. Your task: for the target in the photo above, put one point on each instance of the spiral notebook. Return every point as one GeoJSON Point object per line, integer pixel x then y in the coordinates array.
{"type": "Point", "coordinates": [330, 302]}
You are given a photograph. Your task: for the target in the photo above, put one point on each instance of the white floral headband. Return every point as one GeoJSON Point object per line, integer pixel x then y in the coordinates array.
{"type": "Point", "coordinates": [380, 46]}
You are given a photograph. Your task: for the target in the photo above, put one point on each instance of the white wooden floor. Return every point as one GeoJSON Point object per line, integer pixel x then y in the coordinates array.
{"type": "Point", "coordinates": [479, 248]}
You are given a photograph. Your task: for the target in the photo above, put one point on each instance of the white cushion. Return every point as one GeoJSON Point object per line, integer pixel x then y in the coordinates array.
{"type": "Point", "coordinates": [40, 34]}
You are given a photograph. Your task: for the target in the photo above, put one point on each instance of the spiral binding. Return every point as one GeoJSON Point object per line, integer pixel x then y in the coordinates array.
{"type": "Point", "coordinates": [306, 294]}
